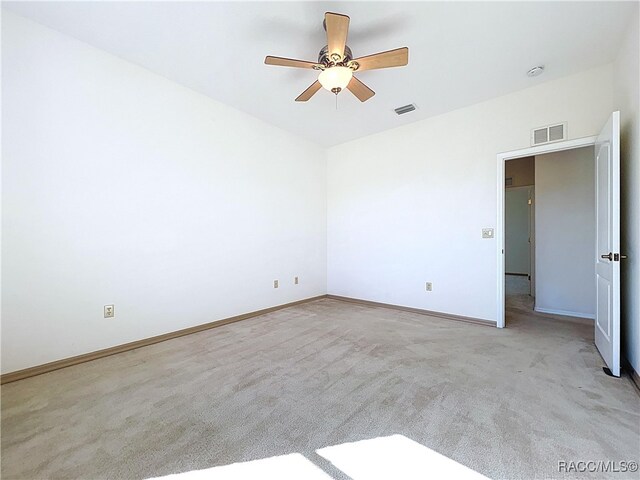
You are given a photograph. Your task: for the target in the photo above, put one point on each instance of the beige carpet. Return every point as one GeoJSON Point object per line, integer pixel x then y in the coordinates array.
{"type": "Point", "coordinates": [506, 403]}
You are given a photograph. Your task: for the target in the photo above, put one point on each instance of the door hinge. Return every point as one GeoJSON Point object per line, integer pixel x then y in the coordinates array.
{"type": "Point", "coordinates": [529, 202]}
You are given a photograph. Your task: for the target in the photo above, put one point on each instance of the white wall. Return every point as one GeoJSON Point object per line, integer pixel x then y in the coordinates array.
{"type": "Point", "coordinates": [565, 233]}
{"type": "Point", "coordinates": [407, 205]}
{"type": "Point", "coordinates": [122, 187]}
{"type": "Point", "coordinates": [517, 258]}
{"type": "Point", "coordinates": [627, 100]}
{"type": "Point", "coordinates": [181, 210]}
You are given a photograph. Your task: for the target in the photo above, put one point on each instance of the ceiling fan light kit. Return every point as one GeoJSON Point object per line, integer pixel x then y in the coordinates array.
{"type": "Point", "coordinates": [335, 79]}
{"type": "Point", "coordinates": [336, 63]}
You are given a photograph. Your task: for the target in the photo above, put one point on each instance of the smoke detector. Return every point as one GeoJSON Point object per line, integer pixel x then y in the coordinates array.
{"type": "Point", "coordinates": [535, 71]}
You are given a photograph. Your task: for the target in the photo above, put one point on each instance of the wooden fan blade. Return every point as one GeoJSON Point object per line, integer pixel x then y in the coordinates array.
{"type": "Point", "coordinates": [288, 62]}
{"type": "Point", "coordinates": [392, 58]}
{"type": "Point", "coordinates": [309, 92]}
{"type": "Point", "coordinates": [360, 90]}
{"type": "Point", "coordinates": [337, 27]}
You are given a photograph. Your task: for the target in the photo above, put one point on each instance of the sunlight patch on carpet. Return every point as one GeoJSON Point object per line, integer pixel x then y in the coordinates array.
{"type": "Point", "coordinates": [395, 456]}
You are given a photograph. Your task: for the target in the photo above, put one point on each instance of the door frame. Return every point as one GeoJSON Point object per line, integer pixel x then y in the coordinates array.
{"type": "Point", "coordinates": [532, 240]}
{"type": "Point", "coordinates": [530, 233]}
{"type": "Point", "coordinates": [500, 222]}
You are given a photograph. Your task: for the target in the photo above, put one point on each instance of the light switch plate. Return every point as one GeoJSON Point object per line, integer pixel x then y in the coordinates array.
{"type": "Point", "coordinates": [487, 233]}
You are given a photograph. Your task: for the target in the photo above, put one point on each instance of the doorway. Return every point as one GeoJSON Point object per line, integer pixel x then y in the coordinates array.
{"type": "Point", "coordinates": [607, 234]}
{"type": "Point", "coordinates": [501, 227]}
{"type": "Point", "coordinates": [520, 227]}
{"type": "Point", "coordinates": [552, 235]}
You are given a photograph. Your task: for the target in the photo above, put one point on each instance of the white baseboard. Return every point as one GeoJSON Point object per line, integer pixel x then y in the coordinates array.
{"type": "Point", "coordinates": [566, 313]}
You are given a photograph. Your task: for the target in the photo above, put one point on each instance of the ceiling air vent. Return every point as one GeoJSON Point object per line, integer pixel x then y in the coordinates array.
{"type": "Point", "coordinates": [406, 109]}
{"type": "Point", "coordinates": [549, 134]}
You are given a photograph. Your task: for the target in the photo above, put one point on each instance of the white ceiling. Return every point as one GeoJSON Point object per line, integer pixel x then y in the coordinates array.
{"type": "Point", "coordinates": [459, 53]}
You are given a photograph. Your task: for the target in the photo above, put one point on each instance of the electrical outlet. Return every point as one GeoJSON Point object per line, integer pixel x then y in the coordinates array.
{"type": "Point", "coordinates": [487, 233]}
{"type": "Point", "coordinates": [295, 280]}
{"type": "Point", "coordinates": [109, 311]}
{"type": "Point", "coordinates": [275, 284]}
{"type": "Point", "coordinates": [429, 286]}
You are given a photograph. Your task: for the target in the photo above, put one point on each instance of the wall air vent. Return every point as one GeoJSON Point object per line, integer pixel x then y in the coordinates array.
{"type": "Point", "coordinates": [405, 109]}
{"type": "Point", "coordinates": [549, 134]}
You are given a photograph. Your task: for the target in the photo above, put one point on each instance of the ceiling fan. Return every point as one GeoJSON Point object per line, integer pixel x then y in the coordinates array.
{"type": "Point", "coordinates": [337, 65]}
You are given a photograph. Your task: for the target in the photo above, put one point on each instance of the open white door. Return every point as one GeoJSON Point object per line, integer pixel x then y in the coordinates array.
{"type": "Point", "coordinates": [607, 325]}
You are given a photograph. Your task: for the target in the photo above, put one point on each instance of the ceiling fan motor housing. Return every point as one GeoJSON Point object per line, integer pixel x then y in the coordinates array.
{"type": "Point", "coordinates": [325, 59]}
